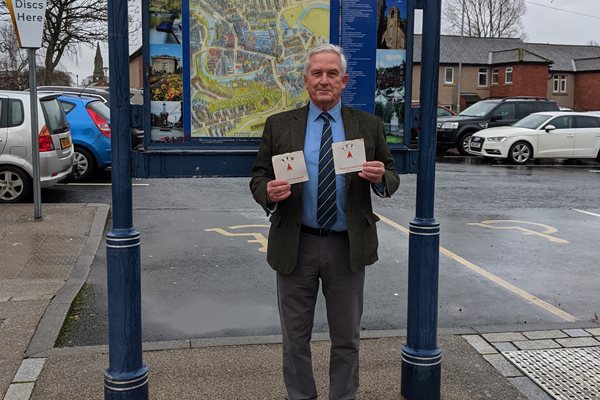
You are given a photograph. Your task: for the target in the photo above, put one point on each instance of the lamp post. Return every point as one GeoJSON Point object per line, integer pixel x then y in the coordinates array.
{"type": "Point", "coordinates": [421, 358]}
{"type": "Point", "coordinates": [126, 377]}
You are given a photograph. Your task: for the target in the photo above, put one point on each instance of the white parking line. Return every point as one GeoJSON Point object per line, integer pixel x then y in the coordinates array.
{"type": "Point", "coordinates": [586, 212]}
{"type": "Point", "coordinates": [541, 166]}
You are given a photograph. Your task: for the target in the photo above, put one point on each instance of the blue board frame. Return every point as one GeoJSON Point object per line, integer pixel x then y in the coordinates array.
{"type": "Point", "coordinates": [222, 157]}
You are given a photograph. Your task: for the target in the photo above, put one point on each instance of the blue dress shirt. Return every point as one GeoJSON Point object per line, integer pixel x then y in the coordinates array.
{"type": "Point", "coordinates": [312, 144]}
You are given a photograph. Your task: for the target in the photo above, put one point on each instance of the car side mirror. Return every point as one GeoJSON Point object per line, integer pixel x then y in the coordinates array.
{"type": "Point", "coordinates": [549, 128]}
{"type": "Point", "coordinates": [496, 117]}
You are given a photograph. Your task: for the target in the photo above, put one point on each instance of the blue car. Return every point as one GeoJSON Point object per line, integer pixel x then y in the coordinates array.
{"type": "Point", "coordinates": [90, 127]}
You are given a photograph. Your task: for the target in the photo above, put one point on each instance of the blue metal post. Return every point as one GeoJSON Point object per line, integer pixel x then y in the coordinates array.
{"type": "Point", "coordinates": [126, 377]}
{"type": "Point", "coordinates": [421, 358]}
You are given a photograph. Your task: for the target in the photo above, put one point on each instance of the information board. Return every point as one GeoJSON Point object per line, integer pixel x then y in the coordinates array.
{"type": "Point", "coordinates": [218, 69]}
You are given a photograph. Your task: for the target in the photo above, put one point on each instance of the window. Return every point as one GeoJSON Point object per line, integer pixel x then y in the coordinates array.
{"type": "Point", "coordinates": [482, 77]}
{"type": "Point", "coordinates": [68, 107]}
{"type": "Point", "coordinates": [559, 84]}
{"type": "Point", "coordinates": [495, 73]}
{"type": "Point", "coordinates": [525, 109]}
{"type": "Point", "coordinates": [507, 110]}
{"type": "Point", "coordinates": [54, 115]}
{"type": "Point", "coordinates": [587, 122]}
{"type": "Point", "coordinates": [561, 122]}
{"type": "Point", "coordinates": [449, 75]}
{"type": "Point", "coordinates": [16, 114]}
{"type": "Point", "coordinates": [508, 75]}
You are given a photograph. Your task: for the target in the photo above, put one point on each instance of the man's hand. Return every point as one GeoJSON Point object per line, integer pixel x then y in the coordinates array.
{"type": "Point", "coordinates": [278, 190]}
{"type": "Point", "coordinates": [373, 171]}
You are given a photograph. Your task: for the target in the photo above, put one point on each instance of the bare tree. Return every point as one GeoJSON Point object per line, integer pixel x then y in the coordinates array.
{"type": "Point", "coordinates": [13, 60]}
{"type": "Point", "coordinates": [485, 18]}
{"type": "Point", "coordinates": [69, 24]}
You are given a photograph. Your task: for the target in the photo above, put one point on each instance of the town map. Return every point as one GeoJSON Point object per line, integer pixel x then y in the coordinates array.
{"type": "Point", "coordinates": [247, 60]}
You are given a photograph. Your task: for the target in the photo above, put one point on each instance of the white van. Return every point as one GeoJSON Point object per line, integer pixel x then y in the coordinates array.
{"type": "Point", "coordinates": [54, 140]}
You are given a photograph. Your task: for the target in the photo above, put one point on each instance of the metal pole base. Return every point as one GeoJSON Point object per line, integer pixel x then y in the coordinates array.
{"type": "Point", "coordinates": [421, 374]}
{"type": "Point", "coordinates": [130, 388]}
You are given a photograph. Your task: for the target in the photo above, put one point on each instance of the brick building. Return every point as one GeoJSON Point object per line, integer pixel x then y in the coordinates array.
{"type": "Point", "coordinates": [499, 67]}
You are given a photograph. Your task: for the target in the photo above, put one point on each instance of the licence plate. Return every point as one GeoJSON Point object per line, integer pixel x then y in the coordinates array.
{"type": "Point", "coordinates": [65, 142]}
{"type": "Point", "coordinates": [475, 145]}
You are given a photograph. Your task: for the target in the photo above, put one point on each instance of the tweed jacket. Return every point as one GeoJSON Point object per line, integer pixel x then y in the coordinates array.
{"type": "Point", "coordinates": [285, 132]}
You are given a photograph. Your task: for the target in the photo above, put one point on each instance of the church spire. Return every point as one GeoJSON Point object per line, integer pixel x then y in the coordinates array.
{"type": "Point", "coordinates": [98, 66]}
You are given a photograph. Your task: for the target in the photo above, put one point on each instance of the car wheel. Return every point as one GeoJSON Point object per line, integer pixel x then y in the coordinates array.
{"type": "Point", "coordinates": [84, 164]}
{"type": "Point", "coordinates": [463, 143]}
{"type": "Point", "coordinates": [520, 153]}
{"type": "Point", "coordinates": [15, 185]}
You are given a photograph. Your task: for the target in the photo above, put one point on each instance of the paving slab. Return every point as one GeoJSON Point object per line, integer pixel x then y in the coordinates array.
{"type": "Point", "coordinates": [254, 372]}
{"type": "Point", "coordinates": [579, 342]}
{"type": "Point", "coordinates": [550, 334]}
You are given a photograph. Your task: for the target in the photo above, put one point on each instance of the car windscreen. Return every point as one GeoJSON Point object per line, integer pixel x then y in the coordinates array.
{"type": "Point", "coordinates": [532, 121]}
{"type": "Point", "coordinates": [55, 116]}
{"type": "Point", "coordinates": [100, 108]}
{"type": "Point", "coordinates": [479, 109]}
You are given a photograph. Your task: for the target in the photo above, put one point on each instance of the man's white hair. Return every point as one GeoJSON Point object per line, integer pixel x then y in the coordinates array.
{"type": "Point", "coordinates": [331, 48]}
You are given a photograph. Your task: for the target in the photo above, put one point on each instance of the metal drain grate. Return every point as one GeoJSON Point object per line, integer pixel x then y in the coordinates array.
{"type": "Point", "coordinates": [565, 374]}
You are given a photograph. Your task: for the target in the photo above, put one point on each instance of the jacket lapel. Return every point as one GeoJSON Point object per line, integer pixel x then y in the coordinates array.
{"type": "Point", "coordinates": [297, 128]}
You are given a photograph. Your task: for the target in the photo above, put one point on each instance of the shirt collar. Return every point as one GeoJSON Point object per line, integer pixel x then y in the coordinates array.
{"type": "Point", "coordinates": [314, 112]}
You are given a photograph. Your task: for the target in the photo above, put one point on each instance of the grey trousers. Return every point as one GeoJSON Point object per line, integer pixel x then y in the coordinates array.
{"type": "Point", "coordinates": [324, 259]}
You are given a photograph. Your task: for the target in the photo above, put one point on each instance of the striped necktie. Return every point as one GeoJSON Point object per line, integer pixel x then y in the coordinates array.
{"type": "Point", "coordinates": [326, 202]}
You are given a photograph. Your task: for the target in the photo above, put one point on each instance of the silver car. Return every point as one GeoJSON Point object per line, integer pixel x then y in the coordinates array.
{"type": "Point", "coordinates": [54, 140]}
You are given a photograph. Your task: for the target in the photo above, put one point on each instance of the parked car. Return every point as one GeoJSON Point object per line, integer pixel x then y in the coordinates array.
{"type": "Point", "coordinates": [101, 94]}
{"type": "Point", "coordinates": [441, 111]}
{"type": "Point", "coordinates": [561, 134]}
{"type": "Point", "coordinates": [456, 131]}
{"type": "Point", "coordinates": [90, 127]}
{"type": "Point", "coordinates": [54, 140]}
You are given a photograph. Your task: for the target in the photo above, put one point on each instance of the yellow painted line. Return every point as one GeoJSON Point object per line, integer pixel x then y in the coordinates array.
{"type": "Point", "coordinates": [97, 184]}
{"type": "Point", "coordinates": [547, 232]}
{"type": "Point", "coordinates": [497, 280]}
{"type": "Point", "coordinates": [258, 237]}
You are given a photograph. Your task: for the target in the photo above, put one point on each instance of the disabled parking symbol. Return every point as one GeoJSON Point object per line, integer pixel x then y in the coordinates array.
{"type": "Point", "coordinates": [529, 228]}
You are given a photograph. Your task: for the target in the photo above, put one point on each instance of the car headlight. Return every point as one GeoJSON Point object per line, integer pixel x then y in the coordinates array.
{"type": "Point", "coordinates": [449, 125]}
{"type": "Point", "coordinates": [498, 139]}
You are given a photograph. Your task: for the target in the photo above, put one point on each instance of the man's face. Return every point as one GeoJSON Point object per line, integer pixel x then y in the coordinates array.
{"type": "Point", "coordinates": [324, 80]}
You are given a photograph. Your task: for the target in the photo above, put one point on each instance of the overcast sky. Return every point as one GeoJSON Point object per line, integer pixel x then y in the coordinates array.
{"type": "Point", "coordinates": [546, 21]}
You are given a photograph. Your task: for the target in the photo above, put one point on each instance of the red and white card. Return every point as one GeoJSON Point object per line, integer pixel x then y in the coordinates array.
{"type": "Point", "coordinates": [349, 156]}
{"type": "Point", "coordinates": [290, 166]}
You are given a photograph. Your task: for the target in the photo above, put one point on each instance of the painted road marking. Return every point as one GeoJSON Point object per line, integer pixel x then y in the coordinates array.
{"type": "Point", "coordinates": [98, 184]}
{"type": "Point", "coordinates": [546, 232]}
{"type": "Point", "coordinates": [586, 212]}
{"type": "Point", "coordinates": [497, 280]}
{"type": "Point", "coordinates": [258, 237]}
{"type": "Point", "coordinates": [540, 166]}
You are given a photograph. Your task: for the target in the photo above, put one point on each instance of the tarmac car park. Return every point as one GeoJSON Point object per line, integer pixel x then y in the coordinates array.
{"type": "Point", "coordinates": [560, 134]}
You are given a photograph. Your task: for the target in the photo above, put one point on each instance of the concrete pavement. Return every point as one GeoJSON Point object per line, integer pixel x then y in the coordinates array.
{"type": "Point", "coordinates": [45, 263]}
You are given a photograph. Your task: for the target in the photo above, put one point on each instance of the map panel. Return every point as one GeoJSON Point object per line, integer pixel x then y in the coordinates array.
{"type": "Point", "coordinates": [247, 60]}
